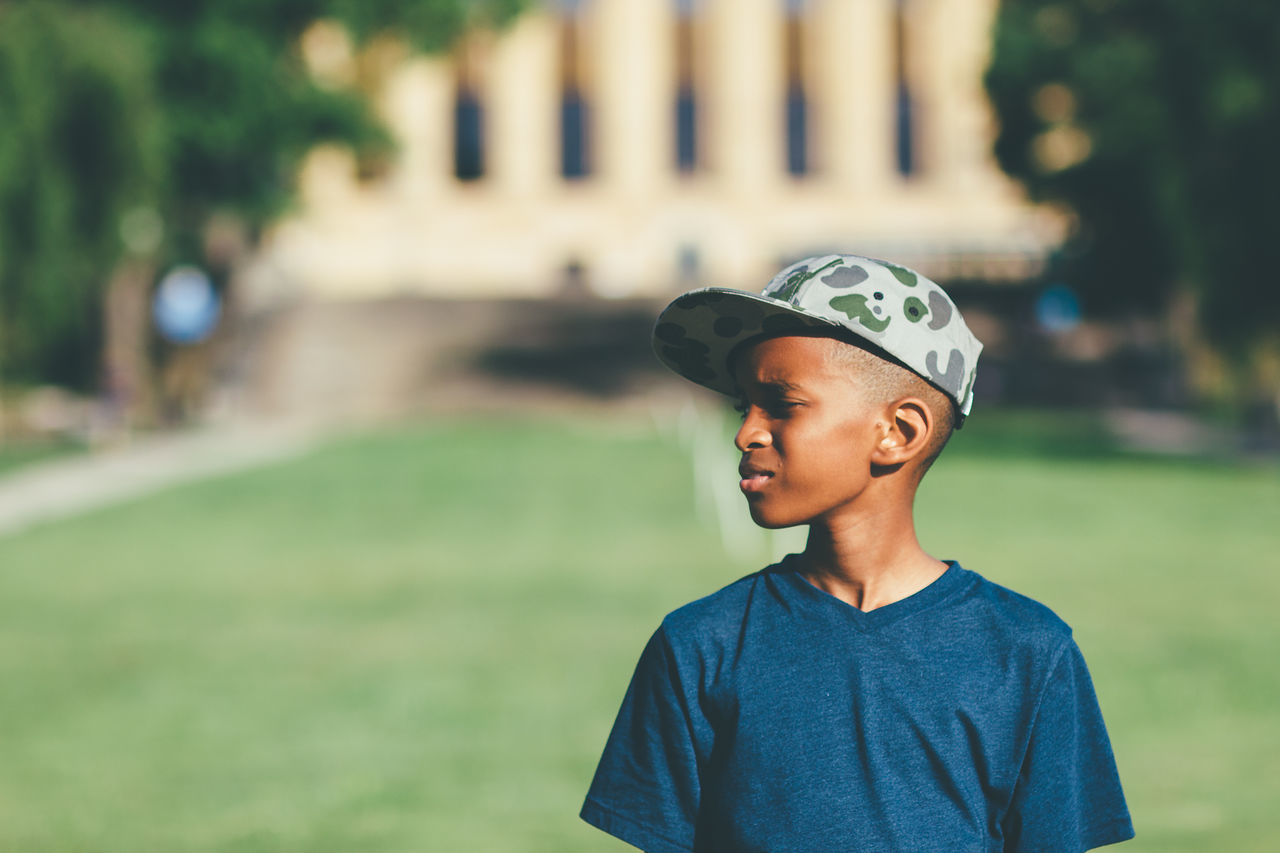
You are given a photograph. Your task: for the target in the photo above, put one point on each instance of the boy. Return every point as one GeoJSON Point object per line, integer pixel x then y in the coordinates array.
{"type": "Point", "coordinates": [861, 695]}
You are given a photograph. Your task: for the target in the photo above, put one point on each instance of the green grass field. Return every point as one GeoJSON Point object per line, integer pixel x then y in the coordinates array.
{"type": "Point", "coordinates": [417, 639]}
{"type": "Point", "coordinates": [15, 455]}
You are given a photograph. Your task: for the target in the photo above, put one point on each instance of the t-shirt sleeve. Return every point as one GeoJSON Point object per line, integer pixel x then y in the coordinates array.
{"type": "Point", "coordinates": [646, 788]}
{"type": "Point", "coordinates": [1068, 796]}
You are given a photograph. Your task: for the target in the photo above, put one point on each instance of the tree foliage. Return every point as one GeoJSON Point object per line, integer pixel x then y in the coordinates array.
{"type": "Point", "coordinates": [173, 112]}
{"type": "Point", "coordinates": [80, 144]}
{"type": "Point", "coordinates": [1157, 123]}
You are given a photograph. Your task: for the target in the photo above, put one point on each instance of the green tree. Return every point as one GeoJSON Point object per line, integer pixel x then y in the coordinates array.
{"type": "Point", "coordinates": [1157, 123]}
{"type": "Point", "coordinates": [129, 125]}
{"type": "Point", "coordinates": [79, 144]}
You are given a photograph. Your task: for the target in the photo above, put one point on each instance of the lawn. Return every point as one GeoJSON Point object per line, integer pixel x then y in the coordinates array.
{"type": "Point", "coordinates": [416, 639]}
{"type": "Point", "coordinates": [19, 454]}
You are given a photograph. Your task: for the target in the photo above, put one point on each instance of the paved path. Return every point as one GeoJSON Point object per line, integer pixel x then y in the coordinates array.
{"type": "Point", "coordinates": [71, 485]}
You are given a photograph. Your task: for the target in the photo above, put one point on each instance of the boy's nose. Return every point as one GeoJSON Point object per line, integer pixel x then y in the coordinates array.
{"type": "Point", "coordinates": [752, 434]}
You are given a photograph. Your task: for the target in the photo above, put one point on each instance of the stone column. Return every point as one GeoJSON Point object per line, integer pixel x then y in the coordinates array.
{"type": "Point", "coordinates": [850, 45]}
{"type": "Point", "coordinates": [744, 89]}
{"type": "Point", "coordinates": [523, 105]}
{"type": "Point", "coordinates": [950, 47]}
{"type": "Point", "coordinates": [630, 57]}
{"type": "Point", "coordinates": [418, 108]}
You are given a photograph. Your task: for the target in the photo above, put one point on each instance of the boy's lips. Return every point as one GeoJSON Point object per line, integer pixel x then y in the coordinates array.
{"type": "Point", "coordinates": [753, 477]}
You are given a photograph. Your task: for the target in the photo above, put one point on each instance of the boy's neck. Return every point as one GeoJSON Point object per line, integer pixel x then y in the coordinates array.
{"type": "Point", "coordinates": [869, 561]}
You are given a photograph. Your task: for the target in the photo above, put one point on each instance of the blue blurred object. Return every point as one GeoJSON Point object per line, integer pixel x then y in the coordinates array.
{"type": "Point", "coordinates": [186, 307]}
{"type": "Point", "coordinates": [1058, 309]}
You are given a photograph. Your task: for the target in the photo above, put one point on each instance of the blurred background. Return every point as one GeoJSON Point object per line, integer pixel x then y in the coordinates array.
{"type": "Point", "coordinates": [339, 489]}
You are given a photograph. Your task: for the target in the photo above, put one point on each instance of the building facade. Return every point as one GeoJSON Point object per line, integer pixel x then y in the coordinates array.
{"type": "Point", "coordinates": [637, 147]}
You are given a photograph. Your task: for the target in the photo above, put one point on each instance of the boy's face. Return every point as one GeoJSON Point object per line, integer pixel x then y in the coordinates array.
{"type": "Point", "coordinates": [807, 433]}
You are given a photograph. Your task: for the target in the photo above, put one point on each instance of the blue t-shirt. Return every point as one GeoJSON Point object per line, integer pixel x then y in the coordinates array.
{"type": "Point", "coordinates": [772, 716]}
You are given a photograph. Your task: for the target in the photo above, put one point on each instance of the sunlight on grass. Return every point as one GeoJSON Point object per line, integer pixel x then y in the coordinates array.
{"type": "Point", "coordinates": [417, 639]}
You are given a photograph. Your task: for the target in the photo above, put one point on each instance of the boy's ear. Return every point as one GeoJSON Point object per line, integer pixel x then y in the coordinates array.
{"type": "Point", "coordinates": [907, 428]}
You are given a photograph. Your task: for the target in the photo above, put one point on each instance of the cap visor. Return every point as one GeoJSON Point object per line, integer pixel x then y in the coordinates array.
{"type": "Point", "coordinates": [696, 334]}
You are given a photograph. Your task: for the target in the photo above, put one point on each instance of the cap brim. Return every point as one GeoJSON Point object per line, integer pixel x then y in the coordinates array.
{"type": "Point", "coordinates": [697, 333]}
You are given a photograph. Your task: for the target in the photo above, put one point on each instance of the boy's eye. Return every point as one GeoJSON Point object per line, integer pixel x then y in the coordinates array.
{"type": "Point", "coordinates": [772, 408]}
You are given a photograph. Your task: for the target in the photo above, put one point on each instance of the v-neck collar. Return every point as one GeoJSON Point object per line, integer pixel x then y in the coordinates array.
{"type": "Point", "coordinates": [950, 581]}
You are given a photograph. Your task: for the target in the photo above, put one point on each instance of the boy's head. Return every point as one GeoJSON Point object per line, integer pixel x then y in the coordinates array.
{"type": "Point", "coordinates": [854, 338]}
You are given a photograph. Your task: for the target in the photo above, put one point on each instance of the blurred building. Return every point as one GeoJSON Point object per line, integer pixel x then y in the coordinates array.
{"type": "Point", "coordinates": [631, 147]}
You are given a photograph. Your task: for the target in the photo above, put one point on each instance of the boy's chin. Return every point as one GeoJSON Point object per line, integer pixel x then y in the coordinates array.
{"type": "Point", "coordinates": [773, 521]}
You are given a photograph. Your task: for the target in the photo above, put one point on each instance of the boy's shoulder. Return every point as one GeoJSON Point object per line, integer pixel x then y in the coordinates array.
{"type": "Point", "coordinates": [722, 609]}
{"type": "Point", "coordinates": [1016, 612]}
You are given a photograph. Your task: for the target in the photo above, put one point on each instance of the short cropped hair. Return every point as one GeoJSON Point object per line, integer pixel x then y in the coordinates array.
{"type": "Point", "coordinates": [884, 380]}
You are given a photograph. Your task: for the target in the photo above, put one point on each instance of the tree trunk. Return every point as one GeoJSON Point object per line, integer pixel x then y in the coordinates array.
{"type": "Point", "coordinates": [128, 384]}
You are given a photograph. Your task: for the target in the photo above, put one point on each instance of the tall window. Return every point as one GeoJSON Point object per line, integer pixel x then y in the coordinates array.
{"type": "Point", "coordinates": [797, 107]}
{"type": "Point", "coordinates": [905, 119]}
{"type": "Point", "coordinates": [468, 115]}
{"type": "Point", "coordinates": [686, 100]}
{"type": "Point", "coordinates": [575, 153]}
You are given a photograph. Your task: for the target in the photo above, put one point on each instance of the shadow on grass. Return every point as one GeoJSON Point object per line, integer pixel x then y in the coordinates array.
{"type": "Point", "coordinates": [19, 454]}
{"type": "Point", "coordinates": [1085, 434]}
{"type": "Point", "coordinates": [1054, 434]}
{"type": "Point", "coordinates": [597, 348]}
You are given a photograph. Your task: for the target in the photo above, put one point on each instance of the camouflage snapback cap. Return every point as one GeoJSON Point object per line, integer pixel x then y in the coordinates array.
{"type": "Point", "coordinates": [895, 309]}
